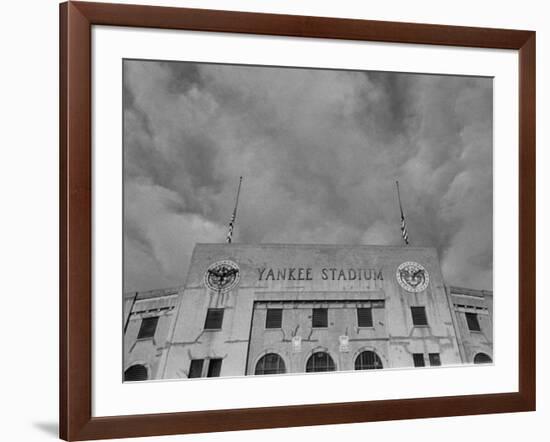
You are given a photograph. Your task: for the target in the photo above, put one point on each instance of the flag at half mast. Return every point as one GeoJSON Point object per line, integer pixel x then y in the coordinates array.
{"type": "Point", "coordinates": [234, 216]}
{"type": "Point", "coordinates": [404, 232]}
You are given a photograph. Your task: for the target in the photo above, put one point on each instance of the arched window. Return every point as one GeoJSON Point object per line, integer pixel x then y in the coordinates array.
{"type": "Point", "coordinates": [368, 360]}
{"type": "Point", "coordinates": [270, 363]}
{"type": "Point", "coordinates": [320, 361]}
{"type": "Point", "coordinates": [482, 358]}
{"type": "Point", "coordinates": [136, 373]}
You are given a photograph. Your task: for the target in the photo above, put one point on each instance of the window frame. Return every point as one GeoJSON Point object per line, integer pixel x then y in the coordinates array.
{"type": "Point", "coordinates": [208, 313]}
{"type": "Point", "coordinates": [201, 371]}
{"type": "Point", "coordinates": [313, 355]}
{"type": "Point", "coordinates": [262, 358]}
{"type": "Point", "coordinates": [419, 308]}
{"type": "Point", "coordinates": [470, 316]}
{"type": "Point", "coordinates": [319, 309]}
{"type": "Point", "coordinates": [434, 357]}
{"type": "Point", "coordinates": [376, 356]}
{"type": "Point", "coordinates": [272, 310]}
{"type": "Point", "coordinates": [370, 315]}
{"type": "Point", "coordinates": [136, 365]}
{"type": "Point", "coordinates": [141, 327]}
{"type": "Point", "coordinates": [210, 369]}
{"type": "Point", "coordinates": [483, 355]}
{"type": "Point", "coordinates": [416, 357]}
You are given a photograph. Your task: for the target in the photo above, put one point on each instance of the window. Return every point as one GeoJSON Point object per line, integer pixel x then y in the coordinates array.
{"type": "Point", "coordinates": [435, 359]}
{"type": "Point", "coordinates": [148, 327]}
{"type": "Point", "coordinates": [482, 358]}
{"type": "Point", "coordinates": [214, 319]}
{"type": "Point", "coordinates": [136, 373]}
{"type": "Point", "coordinates": [473, 323]}
{"type": "Point", "coordinates": [364, 317]}
{"type": "Point", "coordinates": [197, 365]}
{"type": "Point", "coordinates": [214, 368]}
{"type": "Point", "coordinates": [270, 363]}
{"type": "Point", "coordinates": [195, 370]}
{"type": "Point", "coordinates": [418, 359]}
{"type": "Point", "coordinates": [320, 318]}
{"type": "Point", "coordinates": [368, 360]}
{"type": "Point", "coordinates": [274, 318]}
{"type": "Point", "coordinates": [320, 361]}
{"type": "Point", "coordinates": [419, 316]}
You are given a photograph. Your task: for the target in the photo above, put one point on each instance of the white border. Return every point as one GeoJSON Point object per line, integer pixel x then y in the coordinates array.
{"type": "Point", "coordinates": [111, 397]}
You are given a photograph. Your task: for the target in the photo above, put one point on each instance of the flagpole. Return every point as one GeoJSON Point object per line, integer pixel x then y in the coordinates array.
{"type": "Point", "coordinates": [234, 216]}
{"type": "Point", "coordinates": [404, 232]}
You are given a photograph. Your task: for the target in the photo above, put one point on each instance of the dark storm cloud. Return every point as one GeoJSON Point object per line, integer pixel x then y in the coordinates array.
{"type": "Point", "coordinates": [319, 151]}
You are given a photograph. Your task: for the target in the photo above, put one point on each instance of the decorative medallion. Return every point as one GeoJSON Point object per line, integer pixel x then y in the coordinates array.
{"type": "Point", "coordinates": [222, 276]}
{"type": "Point", "coordinates": [412, 276]}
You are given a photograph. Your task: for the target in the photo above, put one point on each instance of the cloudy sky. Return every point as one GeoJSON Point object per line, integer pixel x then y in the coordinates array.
{"type": "Point", "coordinates": [319, 152]}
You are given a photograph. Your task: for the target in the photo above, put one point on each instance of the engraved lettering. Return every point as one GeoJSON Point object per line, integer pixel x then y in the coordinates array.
{"type": "Point", "coordinates": [291, 275]}
{"type": "Point", "coordinates": [261, 272]}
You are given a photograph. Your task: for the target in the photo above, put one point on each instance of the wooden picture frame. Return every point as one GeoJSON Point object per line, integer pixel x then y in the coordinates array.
{"type": "Point", "coordinates": [76, 21]}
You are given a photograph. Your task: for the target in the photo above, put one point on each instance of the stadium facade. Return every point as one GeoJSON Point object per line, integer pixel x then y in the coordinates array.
{"type": "Point", "coordinates": [292, 308]}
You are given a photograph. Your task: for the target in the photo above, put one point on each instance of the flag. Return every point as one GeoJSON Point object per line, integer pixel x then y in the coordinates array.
{"type": "Point", "coordinates": [232, 222]}
{"type": "Point", "coordinates": [230, 232]}
{"type": "Point", "coordinates": [404, 232]}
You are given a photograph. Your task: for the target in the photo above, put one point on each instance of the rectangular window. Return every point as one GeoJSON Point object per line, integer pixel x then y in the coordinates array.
{"type": "Point", "coordinates": [148, 327]}
{"type": "Point", "coordinates": [435, 360]}
{"type": "Point", "coordinates": [214, 368]}
{"type": "Point", "coordinates": [195, 370]}
{"type": "Point", "coordinates": [419, 316]}
{"type": "Point", "coordinates": [274, 318]}
{"type": "Point", "coordinates": [473, 323]}
{"type": "Point", "coordinates": [214, 319]}
{"type": "Point", "coordinates": [320, 318]}
{"type": "Point", "coordinates": [364, 317]}
{"type": "Point", "coordinates": [418, 359]}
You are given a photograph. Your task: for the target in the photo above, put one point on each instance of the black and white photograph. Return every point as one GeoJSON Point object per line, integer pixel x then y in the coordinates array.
{"type": "Point", "coordinates": [289, 220]}
{"type": "Point", "coordinates": [233, 220]}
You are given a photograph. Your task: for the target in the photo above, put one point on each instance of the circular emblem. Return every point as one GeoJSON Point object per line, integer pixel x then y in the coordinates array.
{"type": "Point", "coordinates": [222, 276]}
{"type": "Point", "coordinates": [412, 276]}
